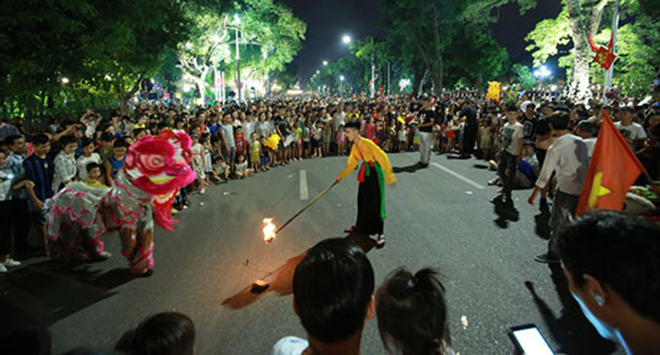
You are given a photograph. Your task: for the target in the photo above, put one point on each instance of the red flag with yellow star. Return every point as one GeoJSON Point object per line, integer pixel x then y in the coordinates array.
{"type": "Point", "coordinates": [613, 169]}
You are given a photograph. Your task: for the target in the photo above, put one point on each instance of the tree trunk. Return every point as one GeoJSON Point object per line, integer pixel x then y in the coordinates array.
{"type": "Point", "coordinates": [422, 82]}
{"type": "Point", "coordinates": [480, 83]}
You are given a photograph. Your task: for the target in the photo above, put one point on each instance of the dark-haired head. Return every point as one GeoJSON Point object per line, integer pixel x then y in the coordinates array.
{"type": "Point", "coordinates": [168, 333]}
{"type": "Point", "coordinates": [612, 262]}
{"type": "Point", "coordinates": [333, 289]}
{"type": "Point", "coordinates": [412, 314]}
{"type": "Point", "coordinates": [352, 125]}
{"type": "Point", "coordinates": [41, 139]}
{"type": "Point", "coordinates": [559, 120]}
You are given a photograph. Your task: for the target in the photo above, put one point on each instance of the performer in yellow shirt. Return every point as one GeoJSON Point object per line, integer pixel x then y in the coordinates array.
{"type": "Point", "coordinates": [374, 173]}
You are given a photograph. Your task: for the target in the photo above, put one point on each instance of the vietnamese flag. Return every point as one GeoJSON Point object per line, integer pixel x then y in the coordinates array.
{"type": "Point", "coordinates": [613, 169]}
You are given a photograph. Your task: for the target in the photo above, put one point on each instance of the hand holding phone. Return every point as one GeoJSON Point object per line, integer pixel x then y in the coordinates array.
{"type": "Point", "coordinates": [529, 341]}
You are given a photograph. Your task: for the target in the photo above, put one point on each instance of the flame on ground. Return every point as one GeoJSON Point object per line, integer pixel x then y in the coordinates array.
{"type": "Point", "coordinates": [269, 230]}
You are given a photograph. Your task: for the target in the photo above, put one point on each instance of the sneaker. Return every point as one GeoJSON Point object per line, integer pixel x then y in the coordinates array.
{"type": "Point", "coordinates": [546, 259]}
{"type": "Point", "coordinates": [11, 263]}
{"type": "Point", "coordinates": [202, 191]}
{"type": "Point", "coordinates": [3, 269]}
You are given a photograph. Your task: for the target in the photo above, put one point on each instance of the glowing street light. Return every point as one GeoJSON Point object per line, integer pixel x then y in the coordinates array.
{"type": "Point", "coordinates": [341, 77]}
{"type": "Point", "coordinates": [325, 63]}
{"type": "Point", "coordinates": [346, 39]}
{"type": "Point", "coordinates": [318, 72]}
{"type": "Point", "coordinates": [542, 72]}
{"type": "Point", "coordinates": [65, 80]}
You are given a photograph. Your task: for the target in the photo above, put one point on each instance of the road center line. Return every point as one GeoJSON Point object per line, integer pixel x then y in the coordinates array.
{"type": "Point", "coordinates": [304, 192]}
{"type": "Point", "coordinates": [459, 176]}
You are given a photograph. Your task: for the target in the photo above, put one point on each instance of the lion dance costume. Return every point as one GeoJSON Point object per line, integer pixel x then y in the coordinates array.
{"type": "Point", "coordinates": [155, 168]}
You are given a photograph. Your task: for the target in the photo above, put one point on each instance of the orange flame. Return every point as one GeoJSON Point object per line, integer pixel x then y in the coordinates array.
{"type": "Point", "coordinates": [269, 230]}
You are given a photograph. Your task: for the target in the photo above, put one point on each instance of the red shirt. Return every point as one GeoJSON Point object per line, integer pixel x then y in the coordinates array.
{"type": "Point", "coordinates": [240, 144]}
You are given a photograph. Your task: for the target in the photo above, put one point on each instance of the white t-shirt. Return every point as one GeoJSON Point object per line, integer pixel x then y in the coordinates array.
{"type": "Point", "coordinates": [340, 119]}
{"type": "Point", "coordinates": [511, 134]}
{"type": "Point", "coordinates": [634, 131]}
{"type": "Point", "coordinates": [82, 163]}
{"type": "Point", "coordinates": [591, 144]}
{"type": "Point", "coordinates": [290, 346]}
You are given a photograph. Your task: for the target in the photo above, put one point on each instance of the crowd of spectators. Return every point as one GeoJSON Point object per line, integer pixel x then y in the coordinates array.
{"type": "Point", "coordinates": [236, 141]}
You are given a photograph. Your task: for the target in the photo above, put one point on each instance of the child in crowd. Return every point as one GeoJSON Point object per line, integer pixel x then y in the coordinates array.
{"type": "Point", "coordinates": [198, 162]}
{"type": "Point", "coordinates": [341, 141]}
{"type": "Point", "coordinates": [239, 139]}
{"type": "Point", "coordinates": [412, 313]}
{"type": "Point", "coordinates": [266, 154]}
{"type": "Point", "coordinates": [105, 149]}
{"type": "Point", "coordinates": [317, 140]}
{"type": "Point", "coordinates": [255, 152]}
{"type": "Point", "coordinates": [242, 170]}
{"type": "Point", "coordinates": [485, 139]}
{"type": "Point", "coordinates": [39, 169]}
{"type": "Point", "coordinates": [94, 172]}
{"type": "Point", "coordinates": [116, 161]}
{"type": "Point", "coordinates": [65, 163]}
{"type": "Point", "coordinates": [88, 156]}
{"type": "Point", "coordinates": [296, 147]}
{"type": "Point", "coordinates": [220, 168]}
{"type": "Point", "coordinates": [327, 139]}
{"type": "Point", "coordinates": [211, 177]}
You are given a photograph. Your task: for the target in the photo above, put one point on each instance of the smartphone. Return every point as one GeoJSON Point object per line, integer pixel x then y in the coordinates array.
{"type": "Point", "coordinates": [529, 341]}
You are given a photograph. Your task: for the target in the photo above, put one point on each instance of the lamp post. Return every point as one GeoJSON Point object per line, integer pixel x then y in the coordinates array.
{"type": "Point", "coordinates": [238, 59]}
{"type": "Point", "coordinates": [542, 73]}
{"type": "Point", "coordinates": [325, 63]}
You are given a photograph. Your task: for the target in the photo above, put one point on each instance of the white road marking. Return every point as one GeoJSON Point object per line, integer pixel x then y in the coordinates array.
{"type": "Point", "coordinates": [304, 192]}
{"type": "Point", "coordinates": [459, 176]}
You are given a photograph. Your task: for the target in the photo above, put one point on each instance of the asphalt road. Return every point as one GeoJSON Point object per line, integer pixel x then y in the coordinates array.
{"type": "Point", "coordinates": [440, 217]}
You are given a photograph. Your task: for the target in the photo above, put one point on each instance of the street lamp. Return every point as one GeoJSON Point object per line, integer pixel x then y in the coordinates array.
{"type": "Point", "coordinates": [65, 80]}
{"type": "Point", "coordinates": [542, 72]}
{"type": "Point", "coordinates": [325, 63]}
{"type": "Point", "coordinates": [346, 39]}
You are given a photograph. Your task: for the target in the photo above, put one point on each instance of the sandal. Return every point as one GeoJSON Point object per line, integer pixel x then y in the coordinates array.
{"type": "Point", "coordinates": [380, 241]}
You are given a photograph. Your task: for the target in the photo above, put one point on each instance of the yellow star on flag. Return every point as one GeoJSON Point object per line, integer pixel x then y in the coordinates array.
{"type": "Point", "coordinates": [597, 190]}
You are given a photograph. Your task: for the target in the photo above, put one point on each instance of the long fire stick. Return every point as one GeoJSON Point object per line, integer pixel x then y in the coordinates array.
{"type": "Point", "coordinates": [306, 207]}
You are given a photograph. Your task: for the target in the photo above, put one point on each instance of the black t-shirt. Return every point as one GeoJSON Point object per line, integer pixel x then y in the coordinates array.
{"type": "Point", "coordinates": [470, 118]}
{"type": "Point", "coordinates": [281, 124]}
{"type": "Point", "coordinates": [529, 128]}
{"type": "Point", "coordinates": [425, 116]}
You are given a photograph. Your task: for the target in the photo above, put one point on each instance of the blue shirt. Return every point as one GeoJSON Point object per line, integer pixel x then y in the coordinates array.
{"type": "Point", "coordinates": [40, 172]}
{"type": "Point", "coordinates": [213, 128]}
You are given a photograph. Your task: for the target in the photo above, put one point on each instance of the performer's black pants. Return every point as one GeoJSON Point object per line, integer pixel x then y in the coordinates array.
{"type": "Point", "coordinates": [369, 220]}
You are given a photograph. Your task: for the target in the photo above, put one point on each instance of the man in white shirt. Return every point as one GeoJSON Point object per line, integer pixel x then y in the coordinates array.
{"type": "Point", "coordinates": [568, 158]}
{"type": "Point", "coordinates": [333, 289]}
{"type": "Point", "coordinates": [586, 130]}
{"type": "Point", "coordinates": [633, 132]}
{"type": "Point", "coordinates": [510, 155]}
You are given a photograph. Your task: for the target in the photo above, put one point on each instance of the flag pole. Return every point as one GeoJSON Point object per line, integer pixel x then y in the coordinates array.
{"type": "Point", "coordinates": [610, 72]}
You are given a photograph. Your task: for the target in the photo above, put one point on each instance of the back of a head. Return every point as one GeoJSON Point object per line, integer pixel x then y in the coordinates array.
{"type": "Point", "coordinates": [412, 313]}
{"type": "Point", "coordinates": [560, 120]}
{"type": "Point", "coordinates": [168, 333]}
{"type": "Point", "coordinates": [620, 251]}
{"type": "Point", "coordinates": [332, 288]}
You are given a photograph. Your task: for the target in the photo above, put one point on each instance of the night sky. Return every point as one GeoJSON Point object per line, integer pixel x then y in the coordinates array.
{"type": "Point", "coordinates": [328, 20]}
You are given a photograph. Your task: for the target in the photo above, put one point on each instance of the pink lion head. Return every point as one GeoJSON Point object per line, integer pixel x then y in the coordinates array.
{"type": "Point", "coordinates": [160, 166]}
